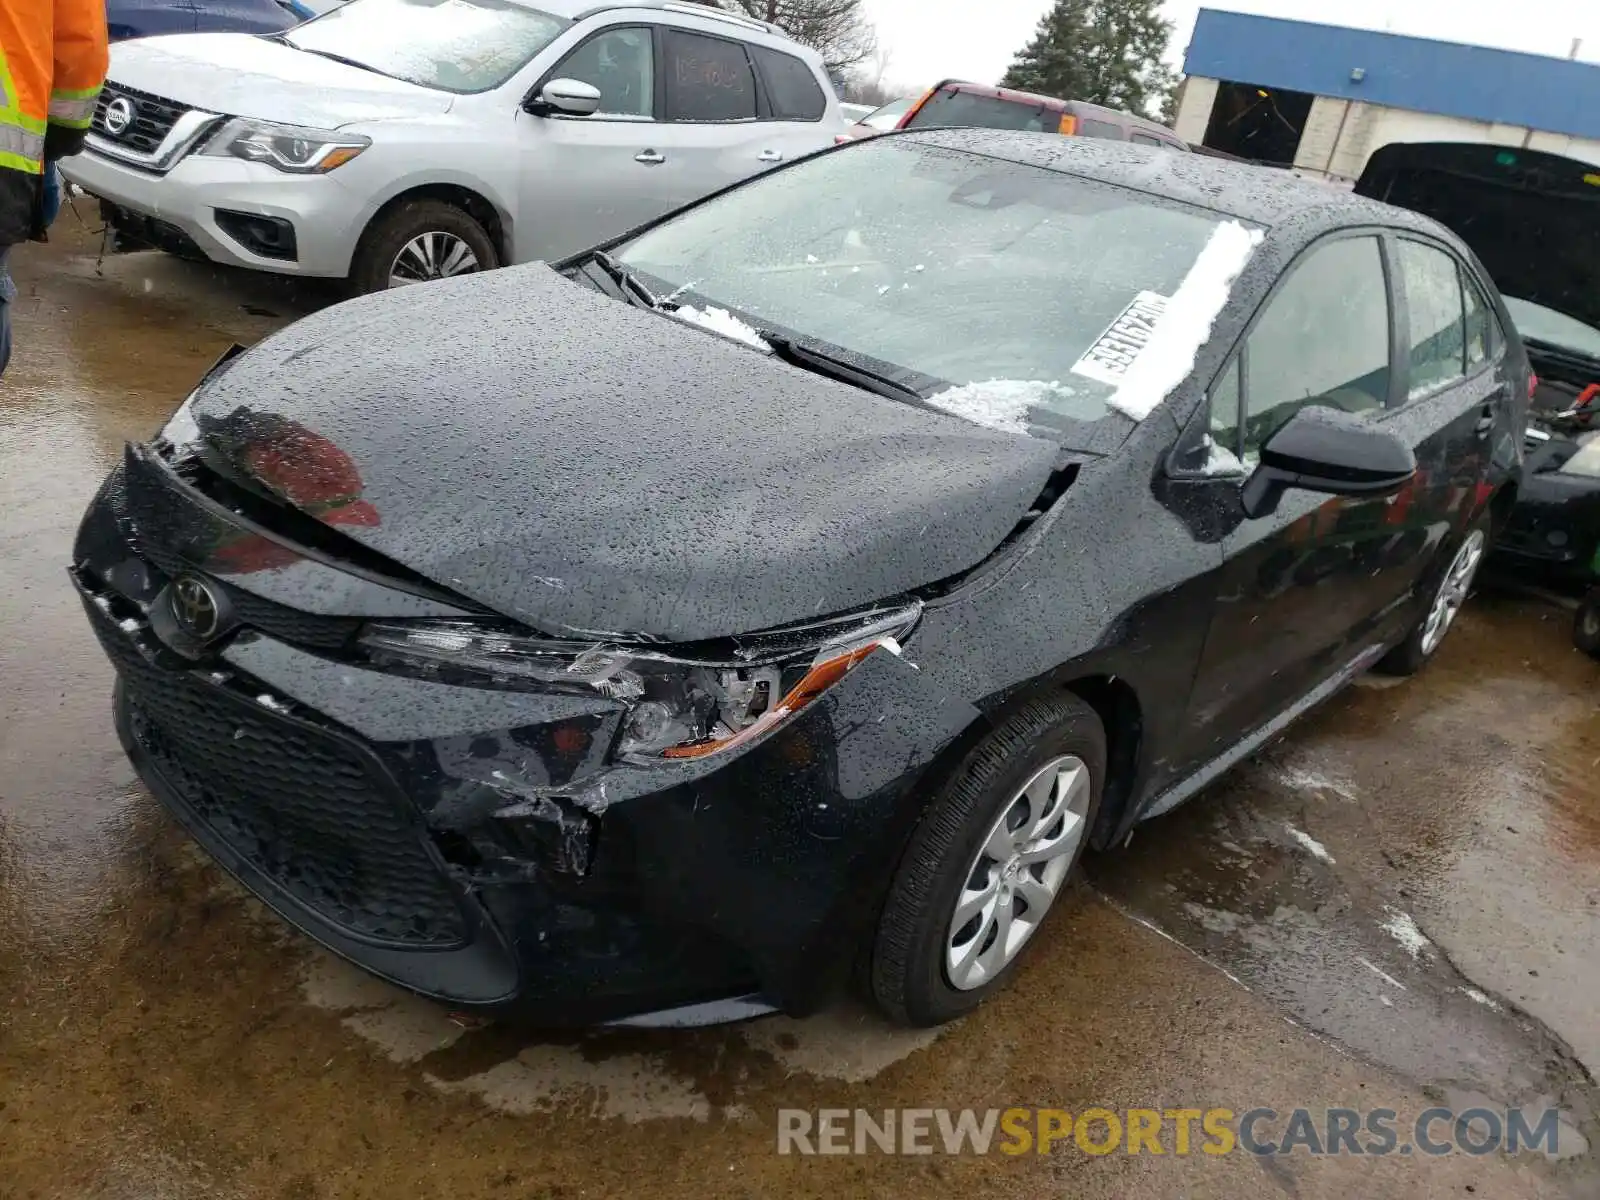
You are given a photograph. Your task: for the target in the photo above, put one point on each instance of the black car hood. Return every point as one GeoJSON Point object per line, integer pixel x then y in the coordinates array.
{"type": "Point", "coordinates": [583, 465]}
{"type": "Point", "coordinates": [1533, 219]}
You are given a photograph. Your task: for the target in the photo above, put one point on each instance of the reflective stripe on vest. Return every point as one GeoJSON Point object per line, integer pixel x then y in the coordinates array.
{"type": "Point", "coordinates": [73, 107]}
{"type": "Point", "coordinates": [21, 136]}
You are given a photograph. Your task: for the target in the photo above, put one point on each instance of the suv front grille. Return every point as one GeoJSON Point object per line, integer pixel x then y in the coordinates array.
{"type": "Point", "coordinates": [304, 808]}
{"type": "Point", "coordinates": [150, 118]}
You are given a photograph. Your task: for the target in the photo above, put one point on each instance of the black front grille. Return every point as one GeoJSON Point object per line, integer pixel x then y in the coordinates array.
{"type": "Point", "coordinates": [148, 124]}
{"type": "Point", "coordinates": [290, 624]}
{"type": "Point", "coordinates": [276, 620]}
{"type": "Point", "coordinates": [305, 809]}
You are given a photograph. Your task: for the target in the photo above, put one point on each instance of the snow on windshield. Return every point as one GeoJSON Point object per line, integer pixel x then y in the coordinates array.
{"type": "Point", "coordinates": [1186, 321]}
{"type": "Point", "coordinates": [998, 403]}
{"type": "Point", "coordinates": [456, 45]}
{"type": "Point", "coordinates": [720, 320]}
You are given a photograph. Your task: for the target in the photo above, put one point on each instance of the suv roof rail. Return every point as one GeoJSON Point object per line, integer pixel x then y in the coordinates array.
{"type": "Point", "coordinates": [718, 13]}
{"type": "Point", "coordinates": [711, 11]}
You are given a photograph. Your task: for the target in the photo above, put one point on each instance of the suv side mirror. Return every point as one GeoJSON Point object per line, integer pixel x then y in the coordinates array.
{"type": "Point", "coordinates": [1327, 450]}
{"type": "Point", "coordinates": [570, 96]}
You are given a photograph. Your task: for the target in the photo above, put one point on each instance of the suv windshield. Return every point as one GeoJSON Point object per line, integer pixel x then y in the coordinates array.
{"type": "Point", "coordinates": [453, 45]}
{"type": "Point", "coordinates": [952, 109]}
{"type": "Point", "coordinates": [1043, 298]}
{"type": "Point", "coordinates": [1553, 328]}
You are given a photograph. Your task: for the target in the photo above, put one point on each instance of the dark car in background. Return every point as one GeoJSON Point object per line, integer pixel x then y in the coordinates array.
{"type": "Point", "coordinates": [797, 586]}
{"type": "Point", "coordinates": [1533, 219]}
{"type": "Point", "coordinates": [144, 18]}
{"type": "Point", "coordinates": [954, 104]}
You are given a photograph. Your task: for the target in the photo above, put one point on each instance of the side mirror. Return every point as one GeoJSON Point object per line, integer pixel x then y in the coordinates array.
{"type": "Point", "coordinates": [1328, 450]}
{"type": "Point", "coordinates": [570, 96]}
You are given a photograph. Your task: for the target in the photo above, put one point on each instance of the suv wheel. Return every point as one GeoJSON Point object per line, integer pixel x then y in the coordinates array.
{"type": "Point", "coordinates": [988, 861]}
{"type": "Point", "coordinates": [418, 241]}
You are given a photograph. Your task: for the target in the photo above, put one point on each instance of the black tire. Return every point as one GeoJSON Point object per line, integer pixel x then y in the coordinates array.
{"type": "Point", "coordinates": [907, 973]}
{"type": "Point", "coordinates": [1409, 656]}
{"type": "Point", "coordinates": [1586, 624]}
{"type": "Point", "coordinates": [389, 233]}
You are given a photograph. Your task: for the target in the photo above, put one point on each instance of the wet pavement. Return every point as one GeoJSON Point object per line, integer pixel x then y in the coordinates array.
{"type": "Point", "coordinates": [1397, 905]}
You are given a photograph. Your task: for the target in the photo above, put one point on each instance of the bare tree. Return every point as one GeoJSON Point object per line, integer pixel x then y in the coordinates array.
{"type": "Point", "coordinates": [836, 29]}
{"type": "Point", "coordinates": [867, 83]}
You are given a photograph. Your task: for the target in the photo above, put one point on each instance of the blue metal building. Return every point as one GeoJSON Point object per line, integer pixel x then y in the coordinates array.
{"type": "Point", "coordinates": [1299, 68]}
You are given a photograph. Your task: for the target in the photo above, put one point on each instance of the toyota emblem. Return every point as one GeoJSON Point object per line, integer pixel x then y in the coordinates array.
{"type": "Point", "coordinates": [195, 606]}
{"type": "Point", "coordinates": [119, 115]}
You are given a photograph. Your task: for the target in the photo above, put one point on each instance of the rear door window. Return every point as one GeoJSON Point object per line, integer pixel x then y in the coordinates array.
{"type": "Point", "coordinates": [1433, 303]}
{"type": "Point", "coordinates": [953, 109]}
{"type": "Point", "coordinates": [1089, 127]}
{"type": "Point", "coordinates": [1144, 139]}
{"type": "Point", "coordinates": [707, 79]}
{"type": "Point", "coordinates": [1322, 341]}
{"type": "Point", "coordinates": [1481, 325]}
{"type": "Point", "coordinates": [792, 89]}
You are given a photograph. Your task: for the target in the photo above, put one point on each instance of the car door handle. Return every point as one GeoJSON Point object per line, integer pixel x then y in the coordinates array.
{"type": "Point", "coordinates": [770, 156]}
{"type": "Point", "coordinates": [650, 158]}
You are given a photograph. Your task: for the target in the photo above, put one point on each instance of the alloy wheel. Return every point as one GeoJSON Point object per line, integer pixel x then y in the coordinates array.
{"type": "Point", "coordinates": [432, 255]}
{"type": "Point", "coordinates": [1452, 593]}
{"type": "Point", "coordinates": [1014, 878]}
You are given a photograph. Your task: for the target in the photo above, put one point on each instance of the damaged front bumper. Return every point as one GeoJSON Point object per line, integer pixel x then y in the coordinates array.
{"type": "Point", "coordinates": [479, 846]}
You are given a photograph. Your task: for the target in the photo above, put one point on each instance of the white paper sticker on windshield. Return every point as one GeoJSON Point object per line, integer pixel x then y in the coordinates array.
{"type": "Point", "coordinates": [1115, 350]}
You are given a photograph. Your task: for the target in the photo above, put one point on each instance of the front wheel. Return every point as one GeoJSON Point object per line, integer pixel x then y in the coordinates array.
{"type": "Point", "coordinates": [1449, 595]}
{"type": "Point", "coordinates": [986, 865]}
{"type": "Point", "coordinates": [418, 241]}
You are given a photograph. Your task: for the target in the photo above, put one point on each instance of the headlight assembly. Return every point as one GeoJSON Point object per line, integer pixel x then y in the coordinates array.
{"type": "Point", "coordinates": [679, 706]}
{"type": "Point", "coordinates": [291, 148]}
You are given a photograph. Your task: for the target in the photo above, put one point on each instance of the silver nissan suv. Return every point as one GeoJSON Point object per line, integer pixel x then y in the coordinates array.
{"type": "Point", "coordinates": [394, 141]}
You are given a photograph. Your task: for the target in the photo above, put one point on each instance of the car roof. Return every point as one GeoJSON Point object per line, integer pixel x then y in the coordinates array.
{"type": "Point", "coordinates": [988, 89]}
{"type": "Point", "coordinates": [1261, 195]}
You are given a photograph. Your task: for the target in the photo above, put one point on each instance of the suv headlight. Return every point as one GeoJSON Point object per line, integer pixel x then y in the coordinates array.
{"type": "Point", "coordinates": [290, 148]}
{"type": "Point", "coordinates": [679, 705]}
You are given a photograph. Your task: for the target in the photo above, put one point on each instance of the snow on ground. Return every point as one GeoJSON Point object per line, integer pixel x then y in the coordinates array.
{"type": "Point", "coordinates": [720, 320]}
{"type": "Point", "coordinates": [1315, 848]}
{"type": "Point", "coordinates": [1186, 324]}
{"type": "Point", "coordinates": [1404, 930]}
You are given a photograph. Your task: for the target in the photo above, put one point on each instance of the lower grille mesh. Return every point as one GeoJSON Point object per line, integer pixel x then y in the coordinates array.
{"type": "Point", "coordinates": [307, 811]}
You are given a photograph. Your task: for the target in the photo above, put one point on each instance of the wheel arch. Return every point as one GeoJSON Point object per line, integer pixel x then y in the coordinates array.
{"type": "Point", "coordinates": [469, 199]}
{"type": "Point", "coordinates": [1116, 702]}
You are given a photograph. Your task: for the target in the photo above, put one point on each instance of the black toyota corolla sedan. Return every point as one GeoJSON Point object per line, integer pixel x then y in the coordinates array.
{"type": "Point", "coordinates": [789, 592]}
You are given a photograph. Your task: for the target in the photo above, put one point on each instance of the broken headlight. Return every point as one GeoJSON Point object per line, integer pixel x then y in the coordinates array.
{"type": "Point", "coordinates": [679, 706]}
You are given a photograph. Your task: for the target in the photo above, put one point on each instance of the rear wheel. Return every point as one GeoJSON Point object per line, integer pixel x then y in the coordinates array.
{"type": "Point", "coordinates": [418, 241]}
{"type": "Point", "coordinates": [1449, 595]}
{"type": "Point", "coordinates": [987, 863]}
{"type": "Point", "coordinates": [1586, 624]}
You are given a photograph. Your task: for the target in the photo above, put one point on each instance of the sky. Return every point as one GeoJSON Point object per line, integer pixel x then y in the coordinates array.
{"type": "Point", "coordinates": [927, 40]}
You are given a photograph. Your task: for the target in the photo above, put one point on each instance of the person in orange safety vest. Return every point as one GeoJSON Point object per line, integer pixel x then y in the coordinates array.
{"type": "Point", "coordinates": [53, 58]}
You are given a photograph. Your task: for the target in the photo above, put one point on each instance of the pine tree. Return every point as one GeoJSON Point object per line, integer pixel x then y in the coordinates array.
{"type": "Point", "coordinates": [1103, 51]}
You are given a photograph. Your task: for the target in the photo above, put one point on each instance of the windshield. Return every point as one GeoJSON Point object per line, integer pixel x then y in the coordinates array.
{"type": "Point", "coordinates": [1553, 328]}
{"type": "Point", "coordinates": [889, 115]}
{"type": "Point", "coordinates": [1011, 295]}
{"type": "Point", "coordinates": [452, 45]}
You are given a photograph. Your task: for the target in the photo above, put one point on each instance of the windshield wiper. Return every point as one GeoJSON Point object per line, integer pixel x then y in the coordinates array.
{"type": "Point", "coordinates": [338, 58]}
{"type": "Point", "coordinates": [637, 294]}
{"type": "Point", "coordinates": [835, 367]}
